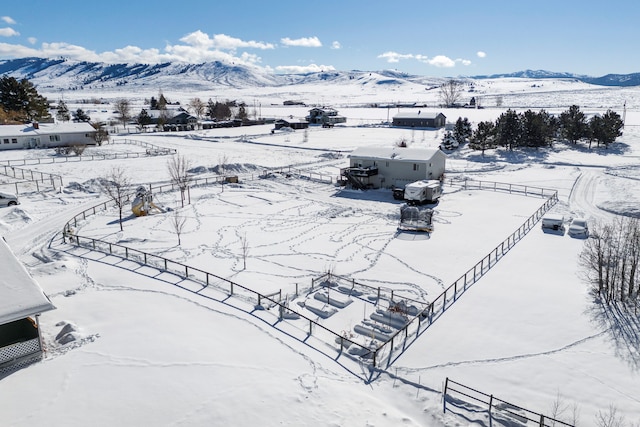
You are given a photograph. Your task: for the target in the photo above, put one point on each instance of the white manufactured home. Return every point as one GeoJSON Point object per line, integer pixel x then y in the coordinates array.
{"type": "Point", "coordinates": [389, 167]}
{"type": "Point", "coordinates": [46, 135]}
{"type": "Point", "coordinates": [21, 302]}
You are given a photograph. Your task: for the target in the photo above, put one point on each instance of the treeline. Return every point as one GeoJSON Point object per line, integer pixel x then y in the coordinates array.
{"type": "Point", "coordinates": [540, 129]}
{"type": "Point", "coordinates": [611, 259]}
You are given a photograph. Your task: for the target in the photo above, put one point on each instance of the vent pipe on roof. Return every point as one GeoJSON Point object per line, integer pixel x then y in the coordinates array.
{"type": "Point", "coordinates": [36, 125]}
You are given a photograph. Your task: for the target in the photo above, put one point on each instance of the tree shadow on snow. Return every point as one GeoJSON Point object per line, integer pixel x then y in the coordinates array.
{"type": "Point", "coordinates": [622, 321]}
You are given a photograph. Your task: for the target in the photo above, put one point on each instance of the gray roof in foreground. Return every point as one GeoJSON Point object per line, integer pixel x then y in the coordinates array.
{"type": "Point", "coordinates": [20, 294]}
{"type": "Point", "coordinates": [406, 154]}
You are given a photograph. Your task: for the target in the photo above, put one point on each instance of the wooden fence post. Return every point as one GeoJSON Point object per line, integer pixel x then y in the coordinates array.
{"type": "Point", "coordinates": [444, 395]}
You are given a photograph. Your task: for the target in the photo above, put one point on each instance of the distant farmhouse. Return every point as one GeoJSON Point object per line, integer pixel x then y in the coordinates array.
{"type": "Point", "coordinates": [291, 123]}
{"type": "Point", "coordinates": [46, 135]}
{"type": "Point", "coordinates": [325, 116]}
{"type": "Point", "coordinates": [388, 167]}
{"type": "Point", "coordinates": [419, 120]}
{"type": "Point", "coordinates": [173, 119]}
{"type": "Point", "coordinates": [21, 302]}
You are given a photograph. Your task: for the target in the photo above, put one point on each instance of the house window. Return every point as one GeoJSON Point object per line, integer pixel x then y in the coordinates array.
{"type": "Point", "coordinates": [386, 164]}
{"type": "Point", "coordinates": [6, 140]}
{"type": "Point", "coordinates": [416, 167]}
{"type": "Point", "coordinates": [14, 140]}
{"type": "Point", "coordinates": [54, 138]}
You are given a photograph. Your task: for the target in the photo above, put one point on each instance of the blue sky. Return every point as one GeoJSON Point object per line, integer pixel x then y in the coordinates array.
{"type": "Point", "coordinates": [440, 39]}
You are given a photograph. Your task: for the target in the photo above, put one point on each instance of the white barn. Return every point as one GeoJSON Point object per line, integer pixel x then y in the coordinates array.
{"type": "Point", "coordinates": [46, 135]}
{"type": "Point", "coordinates": [21, 302]}
{"type": "Point", "coordinates": [389, 167]}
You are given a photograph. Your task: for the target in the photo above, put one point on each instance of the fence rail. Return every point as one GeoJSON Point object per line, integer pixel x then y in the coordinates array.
{"type": "Point", "coordinates": [496, 408]}
{"type": "Point", "coordinates": [384, 351]}
{"type": "Point", "coordinates": [437, 307]}
{"type": "Point", "coordinates": [44, 179]}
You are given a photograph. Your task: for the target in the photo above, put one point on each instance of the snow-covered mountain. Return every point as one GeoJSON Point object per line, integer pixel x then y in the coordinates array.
{"type": "Point", "coordinates": [607, 80]}
{"type": "Point", "coordinates": [63, 74]}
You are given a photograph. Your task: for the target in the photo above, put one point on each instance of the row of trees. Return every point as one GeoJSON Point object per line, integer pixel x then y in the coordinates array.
{"type": "Point", "coordinates": [611, 260]}
{"type": "Point", "coordinates": [531, 129]}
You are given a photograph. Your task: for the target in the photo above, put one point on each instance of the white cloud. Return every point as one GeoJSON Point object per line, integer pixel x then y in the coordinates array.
{"type": "Point", "coordinates": [481, 54]}
{"type": "Point", "coordinates": [9, 20]}
{"type": "Point", "coordinates": [8, 32]}
{"type": "Point", "coordinates": [195, 47]}
{"type": "Point", "coordinates": [336, 45]}
{"type": "Point", "coordinates": [32, 40]}
{"type": "Point", "coordinates": [221, 41]}
{"type": "Point", "coordinates": [440, 61]}
{"type": "Point", "coordinates": [302, 42]}
{"type": "Point", "coordinates": [394, 57]}
{"type": "Point", "coordinates": [303, 69]}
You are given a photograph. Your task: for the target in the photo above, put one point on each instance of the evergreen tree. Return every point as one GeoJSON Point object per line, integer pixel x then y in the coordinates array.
{"type": "Point", "coordinates": [462, 130]}
{"type": "Point", "coordinates": [143, 119]}
{"type": "Point", "coordinates": [612, 127]}
{"type": "Point", "coordinates": [21, 101]}
{"type": "Point", "coordinates": [483, 137]}
{"type": "Point", "coordinates": [153, 103]}
{"type": "Point", "coordinates": [509, 129]}
{"type": "Point", "coordinates": [62, 113]}
{"type": "Point", "coordinates": [242, 113]}
{"type": "Point", "coordinates": [80, 116]}
{"type": "Point", "coordinates": [573, 124]}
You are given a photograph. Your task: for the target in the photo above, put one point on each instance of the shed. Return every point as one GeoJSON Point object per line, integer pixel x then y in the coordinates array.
{"type": "Point", "coordinates": [46, 135]}
{"type": "Point", "coordinates": [388, 167]}
{"type": "Point", "coordinates": [419, 120]}
{"type": "Point", "coordinates": [21, 302]}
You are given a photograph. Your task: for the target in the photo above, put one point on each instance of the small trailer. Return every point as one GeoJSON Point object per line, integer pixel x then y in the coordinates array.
{"type": "Point", "coordinates": [424, 191]}
{"type": "Point", "coordinates": [553, 221]}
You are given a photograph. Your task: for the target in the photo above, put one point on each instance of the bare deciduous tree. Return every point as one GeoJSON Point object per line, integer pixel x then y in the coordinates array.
{"type": "Point", "coordinates": [178, 222]}
{"type": "Point", "coordinates": [123, 108]}
{"type": "Point", "coordinates": [223, 159]}
{"type": "Point", "coordinates": [450, 92]}
{"type": "Point", "coordinates": [179, 166]}
{"type": "Point", "coordinates": [117, 185]}
{"type": "Point", "coordinates": [610, 418]}
{"type": "Point", "coordinates": [198, 107]}
{"type": "Point", "coordinates": [244, 247]}
{"type": "Point", "coordinates": [611, 259]}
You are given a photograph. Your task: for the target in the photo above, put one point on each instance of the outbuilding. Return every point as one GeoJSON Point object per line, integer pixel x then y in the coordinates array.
{"type": "Point", "coordinates": [21, 303]}
{"type": "Point", "coordinates": [46, 135]}
{"type": "Point", "coordinates": [389, 167]}
{"type": "Point", "coordinates": [420, 119]}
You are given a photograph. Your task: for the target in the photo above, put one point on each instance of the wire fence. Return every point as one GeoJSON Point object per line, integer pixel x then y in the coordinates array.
{"type": "Point", "coordinates": [457, 396]}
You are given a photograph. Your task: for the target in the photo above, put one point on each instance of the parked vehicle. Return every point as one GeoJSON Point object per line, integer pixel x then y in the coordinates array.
{"type": "Point", "coordinates": [8, 199]}
{"type": "Point", "coordinates": [579, 228]}
{"type": "Point", "coordinates": [424, 191]}
{"type": "Point", "coordinates": [553, 221]}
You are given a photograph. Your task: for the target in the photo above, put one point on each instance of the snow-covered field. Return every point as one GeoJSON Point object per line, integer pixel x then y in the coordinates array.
{"type": "Point", "coordinates": [151, 351]}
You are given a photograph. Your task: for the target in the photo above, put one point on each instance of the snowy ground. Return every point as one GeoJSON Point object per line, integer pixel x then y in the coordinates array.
{"type": "Point", "coordinates": [148, 352]}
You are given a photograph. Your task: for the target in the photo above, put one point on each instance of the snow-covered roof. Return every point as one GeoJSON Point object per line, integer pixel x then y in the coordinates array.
{"type": "Point", "coordinates": [20, 294]}
{"type": "Point", "coordinates": [396, 153]}
{"type": "Point", "coordinates": [45, 129]}
{"type": "Point", "coordinates": [417, 115]}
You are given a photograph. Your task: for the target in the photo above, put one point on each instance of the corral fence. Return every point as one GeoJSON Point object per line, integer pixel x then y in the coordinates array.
{"type": "Point", "coordinates": [305, 174]}
{"type": "Point", "coordinates": [459, 396]}
{"type": "Point", "coordinates": [437, 307]}
{"type": "Point", "coordinates": [385, 351]}
{"type": "Point", "coordinates": [28, 179]}
{"type": "Point", "coordinates": [207, 279]}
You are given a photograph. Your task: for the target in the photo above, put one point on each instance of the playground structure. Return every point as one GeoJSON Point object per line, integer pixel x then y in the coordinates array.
{"type": "Point", "coordinates": [142, 204]}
